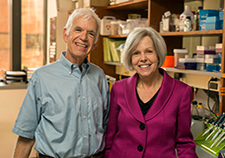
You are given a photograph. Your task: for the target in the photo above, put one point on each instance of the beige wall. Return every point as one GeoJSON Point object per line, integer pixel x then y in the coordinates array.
{"type": "Point", "coordinates": [10, 103]}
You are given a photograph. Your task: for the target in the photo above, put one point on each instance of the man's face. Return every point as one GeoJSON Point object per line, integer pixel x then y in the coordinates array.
{"type": "Point", "coordinates": [81, 38]}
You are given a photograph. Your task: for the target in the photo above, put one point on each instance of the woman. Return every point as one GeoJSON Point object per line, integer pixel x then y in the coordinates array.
{"type": "Point", "coordinates": [149, 111]}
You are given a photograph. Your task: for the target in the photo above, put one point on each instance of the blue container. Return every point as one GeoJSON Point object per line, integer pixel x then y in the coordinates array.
{"type": "Point", "coordinates": [221, 15]}
{"type": "Point", "coordinates": [213, 67]}
{"type": "Point", "coordinates": [202, 25]}
{"type": "Point", "coordinates": [203, 14]}
{"type": "Point", "coordinates": [190, 66]}
{"type": "Point", "coordinates": [213, 23]}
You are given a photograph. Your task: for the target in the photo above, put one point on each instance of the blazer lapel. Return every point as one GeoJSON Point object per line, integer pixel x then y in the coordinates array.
{"type": "Point", "coordinates": [131, 98]}
{"type": "Point", "coordinates": [163, 96]}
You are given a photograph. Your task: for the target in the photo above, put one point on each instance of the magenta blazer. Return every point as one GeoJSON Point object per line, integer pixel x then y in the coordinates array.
{"type": "Point", "coordinates": [164, 128]}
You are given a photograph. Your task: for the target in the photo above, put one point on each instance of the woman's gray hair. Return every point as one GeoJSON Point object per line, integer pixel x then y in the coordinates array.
{"type": "Point", "coordinates": [87, 13]}
{"type": "Point", "coordinates": [133, 40]}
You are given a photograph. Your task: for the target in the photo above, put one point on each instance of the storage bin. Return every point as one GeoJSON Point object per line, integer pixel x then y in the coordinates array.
{"type": "Point", "coordinates": [106, 25]}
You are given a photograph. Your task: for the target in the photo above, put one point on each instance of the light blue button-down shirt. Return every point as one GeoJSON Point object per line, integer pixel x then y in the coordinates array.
{"type": "Point", "coordinates": [65, 110]}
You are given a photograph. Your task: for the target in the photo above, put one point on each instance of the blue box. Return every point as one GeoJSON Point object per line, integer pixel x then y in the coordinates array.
{"type": "Point", "coordinates": [202, 25]}
{"type": "Point", "coordinates": [203, 14]}
{"type": "Point", "coordinates": [213, 23]}
{"type": "Point", "coordinates": [221, 15]}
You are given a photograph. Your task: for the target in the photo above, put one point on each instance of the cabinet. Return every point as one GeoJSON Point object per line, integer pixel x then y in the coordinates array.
{"type": "Point", "coordinates": [153, 10]}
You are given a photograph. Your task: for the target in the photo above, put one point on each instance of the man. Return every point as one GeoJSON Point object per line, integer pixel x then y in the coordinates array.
{"type": "Point", "coordinates": [65, 110]}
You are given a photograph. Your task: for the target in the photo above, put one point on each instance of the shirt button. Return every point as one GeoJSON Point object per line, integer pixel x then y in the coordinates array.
{"type": "Point", "coordinates": [81, 79]}
{"type": "Point", "coordinates": [84, 155]}
{"type": "Point", "coordinates": [83, 97]}
{"type": "Point", "coordinates": [69, 72]}
{"type": "Point", "coordinates": [84, 117]}
{"type": "Point", "coordinates": [85, 136]}
{"type": "Point", "coordinates": [74, 66]}
{"type": "Point", "coordinates": [142, 126]}
{"type": "Point", "coordinates": [140, 148]}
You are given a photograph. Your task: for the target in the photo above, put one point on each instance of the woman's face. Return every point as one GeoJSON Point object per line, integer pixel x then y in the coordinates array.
{"type": "Point", "coordinates": [144, 58]}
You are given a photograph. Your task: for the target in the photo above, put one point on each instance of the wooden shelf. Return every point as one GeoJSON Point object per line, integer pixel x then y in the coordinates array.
{"type": "Point", "coordinates": [129, 5]}
{"type": "Point", "coordinates": [116, 36]}
{"type": "Point", "coordinates": [112, 63]}
{"type": "Point", "coordinates": [193, 33]}
{"type": "Point", "coordinates": [194, 72]}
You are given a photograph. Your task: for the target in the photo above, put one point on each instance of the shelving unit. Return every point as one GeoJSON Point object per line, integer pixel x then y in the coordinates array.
{"type": "Point", "coordinates": [153, 10]}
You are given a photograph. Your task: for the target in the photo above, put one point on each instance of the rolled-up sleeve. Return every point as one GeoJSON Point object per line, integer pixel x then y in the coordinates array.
{"type": "Point", "coordinates": [29, 115]}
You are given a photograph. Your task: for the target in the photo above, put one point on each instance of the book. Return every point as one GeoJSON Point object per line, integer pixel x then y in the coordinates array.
{"type": "Point", "coordinates": [111, 51]}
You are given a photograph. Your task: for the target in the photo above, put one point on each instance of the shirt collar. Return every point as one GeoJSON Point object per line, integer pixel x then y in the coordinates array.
{"type": "Point", "coordinates": [85, 65]}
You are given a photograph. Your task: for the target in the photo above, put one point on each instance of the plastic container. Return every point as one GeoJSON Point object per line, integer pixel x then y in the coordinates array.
{"type": "Point", "coordinates": [169, 61]}
{"type": "Point", "coordinates": [106, 25]}
{"type": "Point", "coordinates": [201, 110]}
{"type": "Point", "coordinates": [187, 12]}
{"type": "Point", "coordinates": [189, 63]}
{"type": "Point", "coordinates": [213, 67]}
{"type": "Point", "coordinates": [179, 53]}
{"type": "Point", "coordinates": [122, 25]}
{"type": "Point", "coordinates": [194, 110]}
{"type": "Point", "coordinates": [200, 63]}
{"type": "Point", "coordinates": [114, 27]}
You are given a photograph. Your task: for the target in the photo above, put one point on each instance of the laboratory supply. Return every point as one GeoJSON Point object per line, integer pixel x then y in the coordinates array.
{"type": "Point", "coordinates": [218, 47]}
{"type": "Point", "coordinates": [187, 24]}
{"type": "Point", "coordinates": [179, 53]}
{"type": "Point", "coordinates": [200, 62]}
{"type": "Point", "coordinates": [189, 63]}
{"type": "Point", "coordinates": [219, 137]}
{"type": "Point", "coordinates": [214, 123]}
{"type": "Point", "coordinates": [205, 50]}
{"type": "Point", "coordinates": [201, 110]}
{"type": "Point", "coordinates": [211, 59]}
{"type": "Point", "coordinates": [213, 23]}
{"type": "Point", "coordinates": [216, 126]}
{"type": "Point", "coordinates": [203, 14]}
{"type": "Point", "coordinates": [169, 61]}
{"type": "Point", "coordinates": [114, 27]}
{"type": "Point", "coordinates": [106, 25]}
{"type": "Point", "coordinates": [196, 17]}
{"type": "Point", "coordinates": [213, 67]}
{"type": "Point", "coordinates": [187, 12]}
{"type": "Point", "coordinates": [166, 21]}
{"type": "Point", "coordinates": [134, 16]}
{"type": "Point", "coordinates": [161, 25]}
{"type": "Point", "coordinates": [221, 126]}
{"type": "Point", "coordinates": [194, 111]}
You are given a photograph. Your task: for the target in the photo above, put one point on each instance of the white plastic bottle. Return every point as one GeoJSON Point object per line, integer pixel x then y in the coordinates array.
{"type": "Point", "coordinates": [187, 12]}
